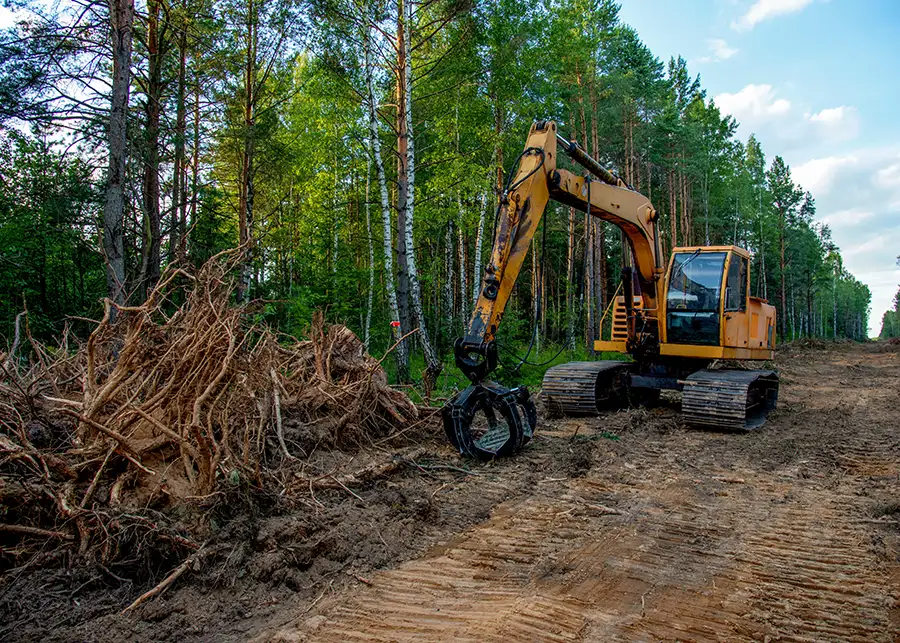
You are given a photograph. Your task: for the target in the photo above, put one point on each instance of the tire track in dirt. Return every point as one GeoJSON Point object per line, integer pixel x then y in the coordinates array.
{"type": "Point", "coordinates": [698, 553]}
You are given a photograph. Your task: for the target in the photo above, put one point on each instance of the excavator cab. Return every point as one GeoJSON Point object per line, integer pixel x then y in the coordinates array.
{"type": "Point", "coordinates": [707, 310]}
{"type": "Point", "coordinates": [708, 303]}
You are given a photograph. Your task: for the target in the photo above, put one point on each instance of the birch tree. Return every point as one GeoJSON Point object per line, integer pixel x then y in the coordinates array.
{"type": "Point", "coordinates": [433, 362]}
{"type": "Point", "coordinates": [479, 234]}
{"type": "Point", "coordinates": [400, 354]}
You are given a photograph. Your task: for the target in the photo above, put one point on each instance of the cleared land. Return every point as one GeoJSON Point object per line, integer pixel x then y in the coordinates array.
{"type": "Point", "coordinates": [625, 527]}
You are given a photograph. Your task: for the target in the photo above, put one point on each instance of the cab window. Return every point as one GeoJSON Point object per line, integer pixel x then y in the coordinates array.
{"type": "Point", "coordinates": [736, 285]}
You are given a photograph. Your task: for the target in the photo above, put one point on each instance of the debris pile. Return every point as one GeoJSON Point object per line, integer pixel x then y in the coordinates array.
{"type": "Point", "coordinates": [167, 403]}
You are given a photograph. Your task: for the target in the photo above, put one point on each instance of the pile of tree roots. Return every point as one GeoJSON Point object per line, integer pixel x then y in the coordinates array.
{"type": "Point", "coordinates": [170, 403]}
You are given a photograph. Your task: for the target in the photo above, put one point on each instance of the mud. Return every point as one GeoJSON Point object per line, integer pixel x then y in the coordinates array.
{"type": "Point", "coordinates": [626, 527]}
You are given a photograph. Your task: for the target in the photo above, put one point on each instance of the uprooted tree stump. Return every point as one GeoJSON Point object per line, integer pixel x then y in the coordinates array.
{"type": "Point", "coordinates": [175, 397]}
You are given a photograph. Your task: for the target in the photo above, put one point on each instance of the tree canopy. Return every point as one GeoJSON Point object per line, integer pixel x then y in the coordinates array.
{"type": "Point", "coordinates": [357, 149]}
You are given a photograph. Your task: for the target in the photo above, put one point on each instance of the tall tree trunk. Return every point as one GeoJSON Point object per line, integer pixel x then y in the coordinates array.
{"type": "Point", "coordinates": [810, 311]}
{"type": "Point", "coordinates": [479, 235]}
{"type": "Point", "coordinates": [335, 221]}
{"type": "Point", "coordinates": [599, 232]}
{"type": "Point", "coordinates": [178, 224]}
{"type": "Point", "coordinates": [245, 206]}
{"type": "Point", "coordinates": [433, 363]}
{"type": "Point", "coordinates": [834, 303]}
{"type": "Point", "coordinates": [195, 161]}
{"type": "Point", "coordinates": [371, 246]}
{"type": "Point", "coordinates": [402, 173]}
{"type": "Point", "coordinates": [463, 273]}
{"type": "Point", "coordinates": [762, 253]}
{"type": "Point", "coordinates": [498, 149]}
{"type": "Point", "coordinates": [570, 282]}
{"type": "Point", "coordinates": [121, 18]}
{"type": "Point", "coordinates": [673, 207]}
{"type": "Point", "coordinates": [400, 354]}
{"type": "Point", "coordinates": [533, 251]}
{"type": "Point", "coordinates": [152, 243]}
{"type": "Point", "coordinates": [449, 280]}
{"type": "Point", "coordinates": [783, 311]}
{"type": "Point", "coordinates": [463, 313]}
{"type": "Point", "coordinates": [588, 244]}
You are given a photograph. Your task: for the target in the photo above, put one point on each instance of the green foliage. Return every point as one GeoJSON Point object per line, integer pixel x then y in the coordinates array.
{"type": "Point", "coordinates": [890, 321]}
{"type": "Point", "coordinates": [482, 72]}
{"type": "Point", "coordinates": [49, 259]}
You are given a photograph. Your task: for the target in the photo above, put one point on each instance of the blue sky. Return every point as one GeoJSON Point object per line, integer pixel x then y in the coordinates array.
{"type": "Point", "coordinates": [817, 82]}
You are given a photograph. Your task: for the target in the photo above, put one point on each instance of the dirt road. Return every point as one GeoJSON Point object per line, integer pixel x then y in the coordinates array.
{"type": "Point", "coordinates": [626, 527]}
{"type": "Point", "coordinates": [789, 533]}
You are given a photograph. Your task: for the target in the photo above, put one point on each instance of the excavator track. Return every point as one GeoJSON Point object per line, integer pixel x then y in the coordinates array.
{"type": "Point", "coordinates": [730, 400]}
{"type": "Point", "coordinates": [583, 388]}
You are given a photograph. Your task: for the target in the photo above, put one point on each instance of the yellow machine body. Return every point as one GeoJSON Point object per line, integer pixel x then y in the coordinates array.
{"type": "Point", "coordinates": [745, 325]}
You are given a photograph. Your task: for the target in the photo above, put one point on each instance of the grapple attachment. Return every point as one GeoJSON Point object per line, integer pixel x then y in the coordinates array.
{"type": "Point", "coordinates": [488, 421]}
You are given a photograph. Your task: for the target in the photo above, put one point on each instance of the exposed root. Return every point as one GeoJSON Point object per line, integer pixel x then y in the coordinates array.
{"type": "Point", "coordinates": [172, 403]}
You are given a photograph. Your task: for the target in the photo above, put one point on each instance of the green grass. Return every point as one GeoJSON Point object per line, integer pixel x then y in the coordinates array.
{"type": "Point", "coordinates": [451, 380]}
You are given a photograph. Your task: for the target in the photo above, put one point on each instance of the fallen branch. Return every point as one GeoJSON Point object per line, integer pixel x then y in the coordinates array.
{"type": "Point", "coordinates": [279, 427]}
{"type": "Point", "coordinates": [366, 474]}
{"type": "Point", "coordinates": [729, 480]}
{"type": "Point", "coordinates": [167, 581]}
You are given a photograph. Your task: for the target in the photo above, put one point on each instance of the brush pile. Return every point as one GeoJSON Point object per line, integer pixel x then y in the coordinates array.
{"type": "Point", "coordinates": [168, 404]}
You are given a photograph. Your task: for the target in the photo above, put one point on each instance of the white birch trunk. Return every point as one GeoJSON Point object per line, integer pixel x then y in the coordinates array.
{"type": "Point", "coordinates": [479, 237]}
{"type": "Point", "coordinates": [536, 293]}
{"type": "Point", "coordinates": [375, 147]}
{"type": "Point", "coordinates": [335, 220]}
{"type": "Point", "coordinates": [448, 274]}
{"type": "Point", "coordinates": [368, 325]}
{"type": "Point", "coordinates": [463, 277]}
{"type": "Point", "coordinates": [834, 302]}
{"type": "Point", "coordinates": [431, 358]}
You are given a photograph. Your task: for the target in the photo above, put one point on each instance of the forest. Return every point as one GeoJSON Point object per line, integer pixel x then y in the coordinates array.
{"type": "Point", "coordinates": [890, 321]}
{"type": "Point", "coordinates": [356, 151]}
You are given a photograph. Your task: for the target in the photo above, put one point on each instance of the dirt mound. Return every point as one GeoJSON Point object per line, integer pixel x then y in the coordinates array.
{"type": "Point", "coordinates": [114, 450]}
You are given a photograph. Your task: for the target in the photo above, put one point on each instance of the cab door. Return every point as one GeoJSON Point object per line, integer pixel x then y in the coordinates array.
{"type": "Point", "coordinates": [736, 318]}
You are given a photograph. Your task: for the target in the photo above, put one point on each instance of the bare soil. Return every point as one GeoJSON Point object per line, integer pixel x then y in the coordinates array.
{"type": "Point", "coordinates": [624, 527]}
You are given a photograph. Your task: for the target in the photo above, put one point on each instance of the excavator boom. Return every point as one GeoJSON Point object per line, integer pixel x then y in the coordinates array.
{"type": "Point", "coordinates": [522, 205]}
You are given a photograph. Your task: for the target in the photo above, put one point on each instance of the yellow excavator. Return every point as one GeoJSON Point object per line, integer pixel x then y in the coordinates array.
{"type": "Point", "coordinates": [674, 320]}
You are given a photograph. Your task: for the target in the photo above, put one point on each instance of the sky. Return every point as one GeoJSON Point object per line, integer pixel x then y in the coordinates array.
{"type": "Point", "coordinates": [817, 82]}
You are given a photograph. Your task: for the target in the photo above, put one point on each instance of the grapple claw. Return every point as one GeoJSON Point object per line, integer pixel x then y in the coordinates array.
{"type": "Point", "coordinates": [488, 421]}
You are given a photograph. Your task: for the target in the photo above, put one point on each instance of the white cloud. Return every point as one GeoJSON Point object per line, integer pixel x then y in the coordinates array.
{"type": "Point", "coordinates": [753, 103]}
{"type": "Point", "coordinates": [888, 177]}
{"type": "Point", "coordinates": [761, 110]}
{"type": "Point", "coordinates": [847, 218]}
{"type": "Point", "coordinates": [819, 175]}
{"type": "Point", "coordinates": [837, 123]}
{"type": "Point", "coordinates": [858, 195]}
{"type": "Point", "coordinates": [767, 9]}
{"type": "Point", "coordinates": [873, 244]}
{"type": "Point", "coordinates": [720, 51]}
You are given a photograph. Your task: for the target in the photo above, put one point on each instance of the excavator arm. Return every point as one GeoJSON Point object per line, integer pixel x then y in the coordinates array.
{"type": "Point", "coordinates": [537, 181]}
{"type": "Point", "coordinates": [506, 417]}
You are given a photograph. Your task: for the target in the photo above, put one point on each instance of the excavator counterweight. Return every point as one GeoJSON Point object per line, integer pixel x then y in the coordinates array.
{"type": "Point", "coordinates": [673, 324]}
